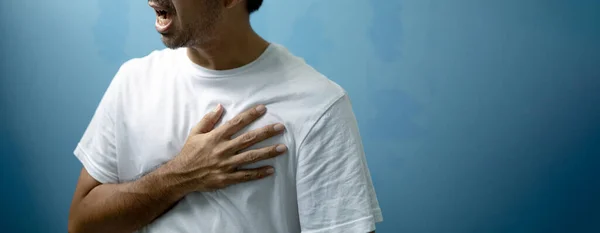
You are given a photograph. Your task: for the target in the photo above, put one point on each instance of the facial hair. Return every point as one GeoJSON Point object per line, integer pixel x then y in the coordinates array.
{"type": "Point", "coordinates": [195, 31]}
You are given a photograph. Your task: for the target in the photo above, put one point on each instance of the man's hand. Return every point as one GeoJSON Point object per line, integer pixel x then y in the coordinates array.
{"type": "Point", "coordinates": [209, 158]}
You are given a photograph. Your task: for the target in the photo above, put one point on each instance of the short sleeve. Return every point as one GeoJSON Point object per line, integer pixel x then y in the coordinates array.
{"type": "Point", "coordinates": [96, 149]}
{"type": "Point", "coordinates": [335, 190]}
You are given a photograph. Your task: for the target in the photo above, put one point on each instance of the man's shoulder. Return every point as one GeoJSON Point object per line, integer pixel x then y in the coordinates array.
{"type": "Point", "coordinates": [156, 59]}
{"type": "Point", "coordinates": [305, 82]}
{"type": "Point", "coordinates": [306, 94]}
{"type": "Point", "coordinates": [315, 90]}
{"type": "Point", "coordinates": [146, 67]}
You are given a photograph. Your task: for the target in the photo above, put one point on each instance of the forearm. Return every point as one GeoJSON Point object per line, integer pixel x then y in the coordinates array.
{"type": "Point", "coordinates": [127, 207]}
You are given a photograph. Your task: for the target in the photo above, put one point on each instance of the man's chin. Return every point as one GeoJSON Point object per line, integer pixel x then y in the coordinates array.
{"type": "Point", "coordinates": [171, 42]}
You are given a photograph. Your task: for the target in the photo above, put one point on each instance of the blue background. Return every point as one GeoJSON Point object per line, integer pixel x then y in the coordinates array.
{"type": "Point", "coordinates": [477, 116]}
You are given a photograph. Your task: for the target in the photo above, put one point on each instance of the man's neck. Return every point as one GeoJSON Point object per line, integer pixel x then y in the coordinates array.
{"type": "Point", "coordinates": [231, 50]}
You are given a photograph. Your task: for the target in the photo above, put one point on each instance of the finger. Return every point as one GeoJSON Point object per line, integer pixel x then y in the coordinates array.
{"type": "Point", "coordinates": [208, 121]}
{"type": "Point", "coordinates": [249, 175]}
{"type": "Point", "coordinates": [255, 136]}
{"type": "Point", "coordinates": [253, 156]}
{"type": "Point", "coordinates": [240, 121]}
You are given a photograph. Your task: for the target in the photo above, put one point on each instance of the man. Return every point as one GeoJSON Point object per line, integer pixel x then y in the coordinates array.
{"type": "Point", "coordinates": [277, 149]}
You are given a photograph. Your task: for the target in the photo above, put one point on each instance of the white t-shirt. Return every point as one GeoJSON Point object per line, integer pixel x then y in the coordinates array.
{"type": "Point", "coordinates": [322, 184]}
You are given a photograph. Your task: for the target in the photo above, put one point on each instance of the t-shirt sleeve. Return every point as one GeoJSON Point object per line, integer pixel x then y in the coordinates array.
{"type": "Point", "coordinates": [96, 149]}
{"type": "Point", "coordinates": [335, 190]}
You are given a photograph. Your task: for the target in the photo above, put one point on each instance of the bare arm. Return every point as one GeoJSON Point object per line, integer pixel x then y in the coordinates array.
{"type": "Point", "coordinates": [206, 162]}
{"type": "Point", "coordinates": [122, 207]}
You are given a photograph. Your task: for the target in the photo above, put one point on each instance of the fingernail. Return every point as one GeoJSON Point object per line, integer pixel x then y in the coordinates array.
{"type": "Point", "coordinates": [278, 127]}
{"type": "Point", "coordinates": [216, 109]}
{"type": "Point", "coordinates": [270, 171]}
{"type": "Point", "coordinates": [281, 148]}
{"type": "Point", "coordinates": [261, 109]}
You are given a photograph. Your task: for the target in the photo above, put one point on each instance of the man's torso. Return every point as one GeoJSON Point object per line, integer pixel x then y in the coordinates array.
{"type": "Point", "coordinates": [165, 95]}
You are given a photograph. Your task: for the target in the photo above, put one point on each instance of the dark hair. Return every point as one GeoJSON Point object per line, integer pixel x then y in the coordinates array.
{"type": "Point", "coordinates": [253, 5]}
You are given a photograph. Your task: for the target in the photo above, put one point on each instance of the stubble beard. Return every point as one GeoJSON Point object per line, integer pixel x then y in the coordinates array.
{"type": "Point", "coordinates": [194, 34]}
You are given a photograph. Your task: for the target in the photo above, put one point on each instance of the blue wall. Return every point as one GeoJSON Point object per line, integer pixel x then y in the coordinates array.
{"type": "Point", "coordinates": [477, 116]}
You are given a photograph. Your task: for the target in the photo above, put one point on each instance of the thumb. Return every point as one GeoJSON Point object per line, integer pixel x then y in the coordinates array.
{"type": "Point", "coordinates": [209, 121]}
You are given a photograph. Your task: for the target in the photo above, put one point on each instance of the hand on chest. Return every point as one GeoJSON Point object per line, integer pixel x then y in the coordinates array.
{"type": "Point", "coordinates": [153, 139]}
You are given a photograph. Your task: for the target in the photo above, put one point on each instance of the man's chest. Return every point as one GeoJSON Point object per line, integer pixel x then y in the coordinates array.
{"type": "Point", "coordinates": [151, 135]}
{"type": "Point", "coordinates": [266, 205]}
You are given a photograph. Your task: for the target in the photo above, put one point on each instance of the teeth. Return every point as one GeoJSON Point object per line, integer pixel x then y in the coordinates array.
{"type": "Point", "coordinates": [163, 21]}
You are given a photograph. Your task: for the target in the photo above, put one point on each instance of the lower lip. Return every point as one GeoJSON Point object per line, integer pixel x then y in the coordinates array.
{"type": "Point", "coordinates": [163, 28]}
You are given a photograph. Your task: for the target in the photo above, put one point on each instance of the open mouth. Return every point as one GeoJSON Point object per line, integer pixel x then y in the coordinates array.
{"type": "Point", "coordinates": [164, 17]}
{"type": "Point", "coordinates": [161, 13]}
